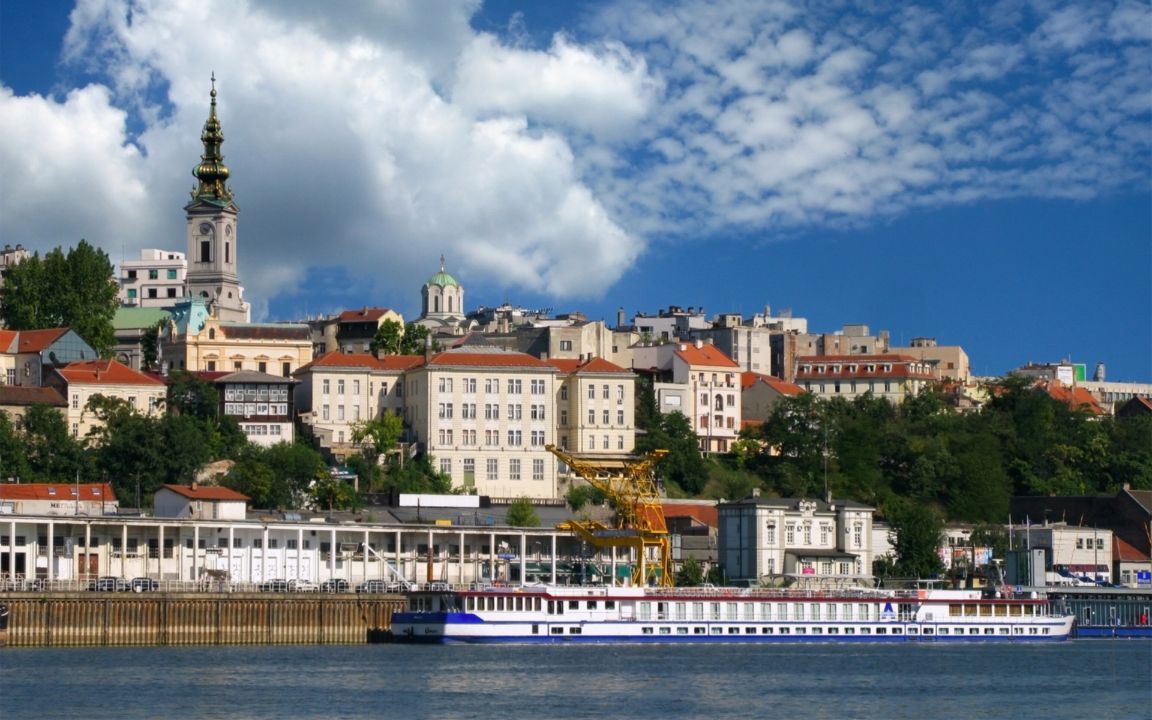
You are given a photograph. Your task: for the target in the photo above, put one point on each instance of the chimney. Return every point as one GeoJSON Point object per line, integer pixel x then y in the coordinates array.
{"type": "Point", "coordinates": [699, 343]}
{"type": "Point", "coordinates": [195, 485]}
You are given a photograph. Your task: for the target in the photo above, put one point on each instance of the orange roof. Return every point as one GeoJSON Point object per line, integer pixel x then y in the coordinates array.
{"type": "Point", "coordinates": [1074, 396]}
{"type": "Point", "coordinates": [7, 338]}
{"type": "Point", "coordinates": [364, 314]}
{"type": "Point", "coordinates": [15, 395]}
{"type": "Point", "coordinates": [592, 365]}
{"type": "Point", "coordinates": [705, 513]}
{"type": "Point", "coordinates": [1124, 552]}
{"type": "Point", "coordinates": [749, 379]}
{"type": "Point", "coordinates": [57, 491]}
{"type": "Point", "coordinates": [704, 355]}
{"type": "Point", "coordinates": [104, 372]}
{"type": "Point", "coordinates": [487, 359]}
{"type": "Point", "coordinates": [206, 492]}
{"type": "Point", "coordinates": [336, 359]}
{"type": "Point", "coordinates": [38, 340]}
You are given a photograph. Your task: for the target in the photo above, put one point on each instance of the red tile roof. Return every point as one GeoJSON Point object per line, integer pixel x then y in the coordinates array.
{"type": "Point", "coordinates": [16, 395]}
{"type": "Point", "coordinates": [464, 358]}
{"type": "Point", "coordinates": [704, 513]}
{"type": "Point", "coordinates": [364, 360]}
{"type": "Point", "coordinates": [706, 354]}
{"type": "Point", "coordinates": [8, 340]}
{"type": "Point", "coordinates": [38, 340]}
{"type": "Point", "coordinates": [56, 491]}
{"type": "Point", "coordinates": [1124, 552]}
{"type": "Point", "coordinates": [207, 492]}
{"type": "Point", "coordinates": [105, 372]}
{"type": "Point", "coordinates": [366, 314]}
{"type": "Point", "coordinates": [898, 366]}
{"type": "Point", "coordinates": [593, 365]}
{"type": "Point", "coordinates": [749, 379]}
{"type": "Point", "coordinates": [1074, 396]}
{"type": "Point", "coordinates": [270, 331]}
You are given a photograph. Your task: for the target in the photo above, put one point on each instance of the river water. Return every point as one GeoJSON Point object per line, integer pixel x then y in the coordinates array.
{"type": "Point", "coordinates": [1077, 679]}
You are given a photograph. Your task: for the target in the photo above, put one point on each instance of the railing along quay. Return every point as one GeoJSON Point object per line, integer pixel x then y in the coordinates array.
{"type": "Point", "coordinates": [51, 618]}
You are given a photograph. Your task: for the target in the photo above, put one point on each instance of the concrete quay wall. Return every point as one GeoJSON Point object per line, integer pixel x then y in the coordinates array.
{"type": "Point", "coordinates": [136, 619]}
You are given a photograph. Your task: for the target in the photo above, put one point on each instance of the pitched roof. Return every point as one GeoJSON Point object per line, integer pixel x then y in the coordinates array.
{"type": "Point", "coordinates": [1076, 397]}
{"type": "Point", "coordinates": [16, 395]}
{"type": "Point", "coordinates": [207, 492]}
{"type": "Point", "coordinates": [592, 365]}
{"type": "Point", "coordinates": [8, 341]}
{"type": "Point", "coordinates": [487, 357]}
{"type": "Point", "coordinates": [1125, 552]}
{"type": "Point", "coordinates": [704, 513]}
{"type": "Point", "coordinates": [750, 379]}
{"type": "Point", "coordinates": [245, 376]}
{"type": "Point", "coordinates": [56, 491]}
{"type": "Point", "coordinates": [363, 360]}
{"type": "Point", "coordinates": [105, 372]}
{"type": "Point", "coordinates": [706, 354]}
{"type": "Point", "coordinates": [38, 340]}
{"type": "Point", "coordinates": [366, 314]}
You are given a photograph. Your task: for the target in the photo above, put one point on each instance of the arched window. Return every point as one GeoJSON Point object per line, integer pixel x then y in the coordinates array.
{"type": "Point", "coordinates": [436, 303]}
{"type": "Point", "coordinates": [211, 333]}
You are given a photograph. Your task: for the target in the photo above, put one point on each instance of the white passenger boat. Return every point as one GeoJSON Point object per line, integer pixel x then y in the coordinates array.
{"type": "Point", "coordinates": [573, 614]}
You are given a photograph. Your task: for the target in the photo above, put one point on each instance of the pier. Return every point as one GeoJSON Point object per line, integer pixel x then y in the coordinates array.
{"type": "Point", "coordinates": [58, 619]}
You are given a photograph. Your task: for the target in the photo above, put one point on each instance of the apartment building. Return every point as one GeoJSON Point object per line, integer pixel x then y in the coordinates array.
{"type": "Point", "coordinates": [78, 382]}
{"type": "Point", "coordinates": [700, 381]}
{"type": "Point", "coordinates": [595, 407]}
{"type": "Point", "coordinates": [337, 390]}
{"type": "Point", "coordinates": [260, 403]}
{"type": "Point", "coordinates": [156, 280]}
{"type": "Point", "coordinates": [485, 415]}
{"type": "Point", "coordinates": [197, 341]}
{"type": "Point", "coordinates": [892, 377]}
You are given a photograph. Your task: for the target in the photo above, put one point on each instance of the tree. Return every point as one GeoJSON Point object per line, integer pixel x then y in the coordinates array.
{"type": "Point", "coordinates": [379, 435]}
{"type": "Point", "coordinates": [683, 466]}
{"type": "Point", "coordinates": [150, 346]}
{"type": "Point", "coordinates": [690, 574]}
{"type": "Point", "coordinates": [388, 339]}
{"type": "Point", "coordinates": [53, 454]}
{"type": "Point", "coordinates": [521, 513]}
{"type": "Point", "coordinates": [414, 340]}
{"type": "Point", "coordinates": [916, 531]}
{"type": "Point", "coordinates": [75, 290]}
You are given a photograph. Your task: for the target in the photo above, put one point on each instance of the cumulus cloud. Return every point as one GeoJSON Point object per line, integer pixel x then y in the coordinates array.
{"type": "Point", "coordinates": [372, 137]}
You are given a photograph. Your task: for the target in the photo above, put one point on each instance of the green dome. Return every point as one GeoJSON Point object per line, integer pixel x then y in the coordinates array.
{"type": "Point", "coordinates": [442, 278]}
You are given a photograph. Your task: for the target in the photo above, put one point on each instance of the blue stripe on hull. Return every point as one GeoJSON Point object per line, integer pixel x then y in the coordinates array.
{"type": "Point", "coordinates": [713, 640]}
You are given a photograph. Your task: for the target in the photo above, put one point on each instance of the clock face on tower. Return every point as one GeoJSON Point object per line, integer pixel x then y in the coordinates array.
{"type": "Point", "coordinates": [205, 228]}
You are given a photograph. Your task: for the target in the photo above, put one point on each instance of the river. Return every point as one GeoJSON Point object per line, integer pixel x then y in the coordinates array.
{"type": "Point", "coordinates": [1075, 679]}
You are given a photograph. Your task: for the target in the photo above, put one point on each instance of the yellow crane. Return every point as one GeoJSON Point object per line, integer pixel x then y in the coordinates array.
{"type": "Point", "coordinates": [630, 486]}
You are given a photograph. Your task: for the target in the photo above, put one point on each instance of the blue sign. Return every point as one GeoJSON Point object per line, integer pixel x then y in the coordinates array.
{"type": "Point", "coordinates": [1144, 577]}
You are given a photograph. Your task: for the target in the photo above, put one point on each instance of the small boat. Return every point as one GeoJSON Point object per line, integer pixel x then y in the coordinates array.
{"type": "Point", "coordinates": [603, 614]}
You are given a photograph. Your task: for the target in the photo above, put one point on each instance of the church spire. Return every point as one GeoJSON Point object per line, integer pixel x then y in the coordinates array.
{"type": "Point", "coordinates": [212, 173]}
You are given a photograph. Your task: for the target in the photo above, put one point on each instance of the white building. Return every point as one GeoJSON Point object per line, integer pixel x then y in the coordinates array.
{"type": "Point", "coordinates": [200, 502]}
{"type": "Point", "coordinates": [595, 407]}
{"type": "Point", "coordinates": [156, 280]}
{"type": "Point", "coordinates": [485, 415]}
{"type": "Point", "coordinates": [75, 499]}
{"type": "Point", "coordinates": [762, 538]}
{"type": "Point", "coordinates": [701, 382]}
{"type": "Point", "coordinates": [1085, 552]}
{"type": "Point", "coordinates": [79, 382]}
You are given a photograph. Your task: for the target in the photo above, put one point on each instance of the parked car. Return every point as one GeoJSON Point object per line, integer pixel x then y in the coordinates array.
{"type": "Point", "coordinates": [274, 586]}
{"type": "Point", "coordinates": [334, 585]}
{"type": "Point", "coordinates": [144, 584]}
{"type": "Point", "coordinates": [300, 585]}
{"type": "Point", "coordinates": [372, 586]}
{"type": "Point", "coordinates": [109, 583]}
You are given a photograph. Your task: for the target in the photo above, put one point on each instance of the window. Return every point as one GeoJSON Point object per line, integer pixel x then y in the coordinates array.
{"type": "Point", "coordinates": [537, 438]}
{"type": "Point", "coordinates": [538, 469]}
{"type": "Point", "coordinates": [131, 294]}
{"type": "Point", "coordinates": [324, 387]}
{"type": "Point", "coordinates": [604, 392]}
{"type": "Point", "coordinates": [469, 385]}
{"type": "Point", "coordinates": [492, 385]}
{"type": "Point", "coordinates": [606, 416]}
{"type": "Point", "coordinates": [153, 274]}
{"type": "Point", "coordinates": [151, 292]}
{"type": "Point", "coordinates": [286, 369]}
{"type": "Point", "coordinates": [262, 367]}
{"type": "Point", "coordinates": [513, 469]}
{"type": "Point", "coordinates": [591, 417]}
{"type": "Point", "coordinates": [537, 387]}
{"type": "Point", "coordinates": [339, 387]}
{"type": "Point", "coordinates": [172, 274]}
{"type": "Point", "coordinates": [619, 393]}
{"type": "Point", "coordinates": [563, 418]}
{"type": "Point", "coordinates": [515, 412]}
{"type": "Point", "coordinates": [355, 387]}
{"type": "Point", "coordinates": [565, 344]}
{"type": "Point", "coordinates": [563, 392]}
{"type": "Point", "coordinates": [591, 392]}
{"type": "Point", "coordinates": [339, 412]}
{"type": "Point", "coordinates": [493, 468]}
{"type": "Point", "coordinates": [445, 384]}
{"type": "Point", "coordinates": [446, 466]}
{"type": "Point", "coordinates": [515, 438]}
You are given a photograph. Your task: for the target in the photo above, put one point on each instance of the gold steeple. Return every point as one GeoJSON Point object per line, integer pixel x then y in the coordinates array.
{"type": "Point", "coordinates": [212, 173]}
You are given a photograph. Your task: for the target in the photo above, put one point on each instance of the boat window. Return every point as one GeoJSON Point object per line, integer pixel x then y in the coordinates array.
{"type": "Point", "coordinates": [785, 631]}
{"type": "Point", "coordinates": [609, 604]}
{"type": "Point", "coordinates": [556, 631]}
{"type": "Point", "coordinates": [573, 604]}
{"type": "Point", "coordinates": [591, 604]}
{"type": "Point", "coordinates": [698, 631]}
{"type": "Point", "coordinates": [647, 631]}
{"type": "Point", "coordinates": [815, 607]}
{"type": "Point", "coordinates": [881, 631]}
{"type": "Point", "coordinates": [575, 630]}
{"type": "Point", "coordinates": [1001, 610]}
{"type": "Point", "coordinates": [681, 631]}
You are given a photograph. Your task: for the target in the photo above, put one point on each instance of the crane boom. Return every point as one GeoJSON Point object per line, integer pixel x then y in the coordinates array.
{"type": "Point", "coordinates": [629, 484]}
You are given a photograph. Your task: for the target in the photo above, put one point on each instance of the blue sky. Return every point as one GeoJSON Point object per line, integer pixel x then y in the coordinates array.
{"type": "Point", "coordinates": [977, 173]}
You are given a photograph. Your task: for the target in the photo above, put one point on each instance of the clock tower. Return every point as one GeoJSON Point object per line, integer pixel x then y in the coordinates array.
{"type": "Point", "coordinates": [211, 222]}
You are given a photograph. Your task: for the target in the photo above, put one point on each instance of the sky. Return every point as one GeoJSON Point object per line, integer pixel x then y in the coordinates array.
{"type": "Point", "coordinates": [980, 173]}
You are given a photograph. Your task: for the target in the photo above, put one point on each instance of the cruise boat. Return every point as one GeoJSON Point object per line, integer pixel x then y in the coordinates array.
{"type": "Point", "coordinates": [601, 614]}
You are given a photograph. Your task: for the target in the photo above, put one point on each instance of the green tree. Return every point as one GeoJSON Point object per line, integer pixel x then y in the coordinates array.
{"type": "Point", "coordinates": [150, 346]}
{"type": "Point", "coordinates": [917, 530]}
{"type": "Point", "coordinates": [388, 339]}
{"type": "Point", "coordinates": [414, 340]}
{"type": "Point", "coordinates": [377, 436]}
{"type": "Point", "coordinates": [191, 395]}
{"type": "Point", "coordinates": [579, 496]}
{"type": "Point", "coordinates": [683, 466]}
{"type": "Point", "coordinates": [690, 574]}
{"type": "Point", "coordinates": [13, 454]}
{"type": "Point", "coordinates": [521, 513]}
{"type": "Point", "coordinates": [53, 454]}
{"type": "Point", "coordinates": [75, 290]}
